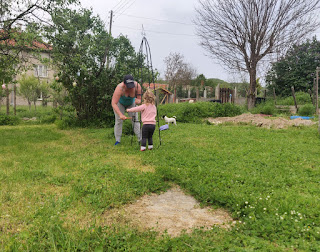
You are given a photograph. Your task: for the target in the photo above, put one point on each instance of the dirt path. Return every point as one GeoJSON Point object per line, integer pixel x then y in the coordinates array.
{"type": "Point", "coordinates": [173, 212]}
{"type": "Point", "coordinates": [262, 121]}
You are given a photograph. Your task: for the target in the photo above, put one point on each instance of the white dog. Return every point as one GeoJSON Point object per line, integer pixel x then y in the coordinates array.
{"type": "Point", "coordinates": [170, 120]}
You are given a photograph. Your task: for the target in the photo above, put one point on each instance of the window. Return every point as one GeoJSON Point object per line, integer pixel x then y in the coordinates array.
{"type": "Point", "coordinates": [40, 71]}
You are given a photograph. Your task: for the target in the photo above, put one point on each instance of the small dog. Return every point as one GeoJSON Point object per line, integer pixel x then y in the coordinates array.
{"type": "Point", "coordinates": [170, 120]}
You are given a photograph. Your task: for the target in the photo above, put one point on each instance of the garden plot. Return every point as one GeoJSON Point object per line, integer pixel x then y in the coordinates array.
{"type": "Point", "coordinates": [262, 121]}
{"type": "Point", "coordinates": [173, 212]}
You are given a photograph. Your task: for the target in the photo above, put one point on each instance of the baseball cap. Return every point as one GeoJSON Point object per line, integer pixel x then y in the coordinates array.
{"type": "Point", "coordinates": [129, 81]}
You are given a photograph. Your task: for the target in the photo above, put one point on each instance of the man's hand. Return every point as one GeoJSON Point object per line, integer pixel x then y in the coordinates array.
{"type": "Point", "coordinates": [137, 101]}
{"type": "Point", "coordinates": [123, 117]}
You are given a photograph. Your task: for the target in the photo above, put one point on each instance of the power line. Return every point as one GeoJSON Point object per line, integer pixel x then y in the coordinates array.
{"type": "Point", "coordinates": [123, 7]}
{"type": "Point", "coordinates": [120, 5]}
{"type": "Point", "coordinates": [162, 20]}
{"type": "Point", "coordinates": [189, 35]}
{"type": "Point", "coordinates": [117, 4]}
{"type": "Point", "coordinates": [127, 8]}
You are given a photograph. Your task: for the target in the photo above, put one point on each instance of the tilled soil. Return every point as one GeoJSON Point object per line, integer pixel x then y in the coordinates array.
{"type": "Point", "coordinates": [262, 121]}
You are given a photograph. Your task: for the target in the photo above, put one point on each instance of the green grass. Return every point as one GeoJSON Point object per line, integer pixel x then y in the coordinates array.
{"type": "Point", "coordinates": [56, 187]}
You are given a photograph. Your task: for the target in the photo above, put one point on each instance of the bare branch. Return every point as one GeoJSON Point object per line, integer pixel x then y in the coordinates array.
{"type": "Point", "coordinates": [240, 33]}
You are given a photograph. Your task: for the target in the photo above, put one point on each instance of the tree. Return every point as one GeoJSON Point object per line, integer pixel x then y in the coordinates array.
{"type": "Point", "coordinates": [178, 72]}
{"type": "Point", "coordinates": [296, 68]}
{"type": "Point", "coordinates": [79, 40]}
{"type": "Point", "coordinates": [29, 88]}
{"type": "Point", "coordinates": [241, 33]}
{"type": "Point", "coordinates": [19, 24]}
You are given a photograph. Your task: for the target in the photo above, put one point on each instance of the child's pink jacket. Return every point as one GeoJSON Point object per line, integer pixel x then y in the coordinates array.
{"type": "Point", "coordinates": [148, 113]}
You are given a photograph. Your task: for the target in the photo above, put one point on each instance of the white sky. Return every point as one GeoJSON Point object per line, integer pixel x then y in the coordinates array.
{"type": "Point", "coordinates": [168, 27]}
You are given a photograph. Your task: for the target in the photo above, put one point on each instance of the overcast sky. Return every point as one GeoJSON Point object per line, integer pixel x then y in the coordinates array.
{"type": "Point", "coordinates": [168, 28]}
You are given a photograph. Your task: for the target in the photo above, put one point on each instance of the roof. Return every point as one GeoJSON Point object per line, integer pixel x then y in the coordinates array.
{"type": "Point", "coordinates": [155, 85]}
{"type": "Point", "coordinates": [35, 44]}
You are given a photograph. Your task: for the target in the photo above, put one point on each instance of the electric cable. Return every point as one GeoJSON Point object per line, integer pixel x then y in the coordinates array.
{"type": "Point", "coordinates": [161, 20]}
{"type": "Point", "coordinates": [122, 5]}
{"type": "Point", "coordinates": [176, 34]}
{"type": "Point", "coordinates": [126, 8]}
{"type": "Point", "coordinates": [114, 7]}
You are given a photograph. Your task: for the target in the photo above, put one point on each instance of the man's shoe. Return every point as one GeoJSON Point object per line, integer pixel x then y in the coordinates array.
{"type": "Point", "coordinates": [117, 143]}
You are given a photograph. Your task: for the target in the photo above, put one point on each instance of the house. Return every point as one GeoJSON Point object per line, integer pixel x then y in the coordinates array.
{"type": "Point", "coordinates": [33, 66]}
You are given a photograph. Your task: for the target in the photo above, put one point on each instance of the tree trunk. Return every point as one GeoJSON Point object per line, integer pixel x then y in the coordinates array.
{"type": "Point", "coordinates": [251, 98]}
{"type": "Point", "coordinates": [15, 99]}
{"type": "Point", "coordinates": [8, 103]}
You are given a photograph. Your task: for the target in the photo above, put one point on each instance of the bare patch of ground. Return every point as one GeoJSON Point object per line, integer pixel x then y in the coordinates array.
{"type": "Point", "coordinates": [262, 121]}
{"type": "Point", "coordinates": [173, 212]}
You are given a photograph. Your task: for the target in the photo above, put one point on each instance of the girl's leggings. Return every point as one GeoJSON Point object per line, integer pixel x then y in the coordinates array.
{"type": "Point", "coordinates": [147, 133]}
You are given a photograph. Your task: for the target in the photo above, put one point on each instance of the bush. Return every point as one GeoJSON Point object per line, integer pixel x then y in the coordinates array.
{"type": "Point", "coordinates": [266, 108]}
{"type": "Point", "coordinates": [66, 123]}
{"type": "Point", "coordinates": [301, 98]}
{"type": "Point", "coordinates": [127, 128]}
{"type": "Point", "coordinates": [48, 119]}
{"type": "Point", "coordinates": [306, 110]}
{"type": "Point", "coordinates": [195, 112]}
{"type": "Point", "coordinates": [9, 120]}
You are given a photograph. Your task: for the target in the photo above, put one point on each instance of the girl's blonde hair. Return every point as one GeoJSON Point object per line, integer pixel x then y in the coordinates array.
{"type": "Point", "coordinates": [148, 97]}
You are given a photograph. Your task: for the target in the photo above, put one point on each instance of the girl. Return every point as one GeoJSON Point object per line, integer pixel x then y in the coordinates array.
{"type": "Point", "coordinates": [148, 116]}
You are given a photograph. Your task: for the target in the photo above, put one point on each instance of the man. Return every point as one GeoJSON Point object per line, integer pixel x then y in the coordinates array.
{"type": "Point", "coordinates": [126, 95]}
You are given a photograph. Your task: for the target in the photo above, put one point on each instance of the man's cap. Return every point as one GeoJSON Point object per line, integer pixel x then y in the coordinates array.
{"type": "Point", "coordinates": [129, 81]}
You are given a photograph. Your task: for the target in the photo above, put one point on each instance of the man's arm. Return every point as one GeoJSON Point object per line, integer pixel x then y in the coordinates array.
{"type": "Point", "coordinates": [115, 99]}
{"type": "Point", "coordinates": [138, 94]}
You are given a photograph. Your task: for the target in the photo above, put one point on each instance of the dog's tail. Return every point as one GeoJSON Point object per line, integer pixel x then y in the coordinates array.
{"type": "Point", "coordinates": [174, 117]}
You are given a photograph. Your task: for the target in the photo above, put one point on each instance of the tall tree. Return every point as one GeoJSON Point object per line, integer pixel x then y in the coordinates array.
{"type": "Point", "coordinates": [240, 33]}
{"type": "Point", "coordinates": [79, 40]}
{"type": "Point", "coordinates": [296, 68]}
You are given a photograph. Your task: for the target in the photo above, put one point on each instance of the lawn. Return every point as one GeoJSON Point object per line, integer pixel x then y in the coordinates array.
{"type": "Point", "coordinates": [57, 185]}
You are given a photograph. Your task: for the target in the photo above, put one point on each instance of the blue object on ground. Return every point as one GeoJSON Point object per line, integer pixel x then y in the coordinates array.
{"type": "Point", "coordinates": [164, 127]}
{"type": "Point", "coordinates": [116, 143]}
{"type": "Point", "coordinates": [302, 117]}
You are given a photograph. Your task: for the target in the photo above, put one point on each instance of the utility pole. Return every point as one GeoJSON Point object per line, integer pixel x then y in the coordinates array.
{"type": "Point", "coordinates": [107, 49]}
{"type": "Point", "coordinates": [106, 52]}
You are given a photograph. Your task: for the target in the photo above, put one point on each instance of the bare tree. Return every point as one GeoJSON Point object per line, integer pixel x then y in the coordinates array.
{"type": "Point", "coordinates": [239, 33]}
{"type": "Point", "coordinates": [178, 72]}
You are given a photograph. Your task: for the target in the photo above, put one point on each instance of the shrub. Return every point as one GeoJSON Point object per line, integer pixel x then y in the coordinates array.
{"type": "Point", "coordinates": [66, 123]}
{"type": "Point", "coordinates": [9, 120]}
{"type": "Point", "coordinates": [267, 108]}
{"type": "Point", "coordinates": [48, 119]}
{"type": "Point", "coordinates": [195, 112]}
{"type": "Point", "coordinates": [301, 98]}
{"type": "Point", "coordinates": [127, 128]}
{"type": "Point", "coordinates": [306, 110]}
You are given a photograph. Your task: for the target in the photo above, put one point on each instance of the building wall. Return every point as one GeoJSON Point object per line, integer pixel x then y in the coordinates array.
{"type": "Point", "coordinates": [30, 71]}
